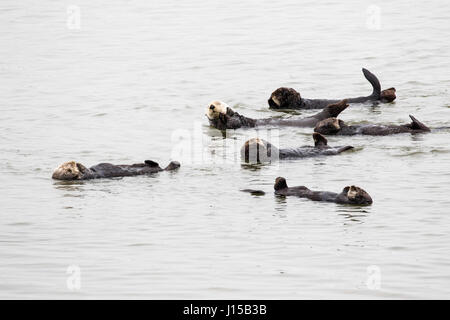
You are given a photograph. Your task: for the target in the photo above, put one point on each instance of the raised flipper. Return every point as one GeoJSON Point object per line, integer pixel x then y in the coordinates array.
{"type": "Point", "coordinates": [417, 125]}
{"type": "Point", "coordinates": [333, 110]}
{"type": "Point", "coordinates": [151, 163]}
{"type": "Point", "coordinates": [373, 81]}
{"type": "Point", "coordinates": [319, 140]}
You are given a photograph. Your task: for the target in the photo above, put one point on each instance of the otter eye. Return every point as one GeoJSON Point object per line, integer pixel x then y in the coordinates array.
{"type": "Point", "coordinates": [212, 107]}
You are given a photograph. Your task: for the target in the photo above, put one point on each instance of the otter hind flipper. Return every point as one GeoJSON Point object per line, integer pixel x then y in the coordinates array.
{"type": "Point", "coordinates": [373, 81]}
{"type": "Point", "coordinates": [416, 124]}
{"type": "Point", "coordinates": [319, 140]}
{"type": "Point", "coordinates": [254, 192]}
{"type": "Point", "coordinates": [342, 149]}
{"type": "Point", "coordinates": [334, 109]}
{"type": "Point", "coordinates": [151, 163]}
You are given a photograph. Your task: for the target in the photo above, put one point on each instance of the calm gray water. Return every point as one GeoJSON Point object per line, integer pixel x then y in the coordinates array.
{"type": "Point", "coordinates": [138, 75]}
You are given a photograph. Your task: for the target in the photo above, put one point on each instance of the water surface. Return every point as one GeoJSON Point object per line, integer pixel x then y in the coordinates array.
{"type": "Point", "coordinates": [137, 75]}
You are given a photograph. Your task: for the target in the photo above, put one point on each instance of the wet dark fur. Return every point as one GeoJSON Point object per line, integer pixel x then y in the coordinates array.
{"type": "Point", "coordinates": [108, 170]}
{"type": "Point", "coordinates": [328, 127]}
{"type": "Point", "coordinates": [361, 197]}
{"type": "Point", "coordinates": [255, 153]}
{"type": "Point", "coordinates": [291, 99]}
{"type": "Point", "coordinates": [233, 120]}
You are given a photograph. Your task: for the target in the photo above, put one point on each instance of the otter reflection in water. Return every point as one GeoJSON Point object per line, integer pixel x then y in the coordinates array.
{"type": "Point", "coordinates": [76, 171]}
{"type": "Point", "coordinates": [349, 195]}
{"type": "Point", "coordinates": [222, 117]}
{"type": "Point", "coordinates": [288, 98]}
{"type": "Point", "coordinates": [334, 126]}
{"type": "Point", "coordinates": [258, 150]}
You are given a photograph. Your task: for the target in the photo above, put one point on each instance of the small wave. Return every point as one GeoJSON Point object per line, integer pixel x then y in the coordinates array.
{"type": "Point", "coordinates": [419, 153]}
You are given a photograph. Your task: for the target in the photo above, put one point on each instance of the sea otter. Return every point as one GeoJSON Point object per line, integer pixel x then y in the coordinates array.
{"type": "Point", "coordinates": [258, 150]}
{"type": "Point", "coordinates": [288, 98]}
{"type": "Point", "coordinates": [334, 126]}
{"type": "Point", "coordinates": [222, 117]}
{"type": "Point", "coordinates": [76, 171]}
{"type": "Point", "coordinates": [349, 195]}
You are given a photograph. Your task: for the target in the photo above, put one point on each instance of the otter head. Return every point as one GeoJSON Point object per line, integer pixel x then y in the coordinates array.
{"type": "Point", "coordinates": [356, 195]}
{"type": "Point", "coordinates": [69, 171]}
{"type": "Point", "coordinates": [388, 95]}
{"type": "Point", "coordinates": [284, 98]}
{"type": "Point", "coordinates": [258, 150]}
{"type": "Point", "coordinates": [329, 126]}
{"type": "Point", "coordinates": [215, 108]}
{"type": "Point", "coordinates": [280, 183]}
{"type": "Point", "coordinates": [173, 165]}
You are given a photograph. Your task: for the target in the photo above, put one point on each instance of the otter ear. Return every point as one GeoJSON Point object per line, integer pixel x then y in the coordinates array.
{"type": "Point", "coordinates": [151, 163]}
{"type": "Point", "coordinates": [319, 140]}
{"type": "Point", "coordinates": [346, 189]}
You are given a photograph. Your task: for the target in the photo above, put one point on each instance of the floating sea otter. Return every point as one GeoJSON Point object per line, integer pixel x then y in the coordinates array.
{"type": "Point", "coordinates": [258, 150]}
{"type": "Point", "coordinates": [76, 171]}
{"type": "Point", "coordinates": [222, 117]}
{"type": "Point", "coordinates": [349, 195]}
{"type": "Point", "coordinates": [334, 126]}
{"type": "Point", "coordinates": [288, 98]}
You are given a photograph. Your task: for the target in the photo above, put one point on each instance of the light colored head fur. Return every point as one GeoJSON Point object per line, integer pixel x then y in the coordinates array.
{"type": "Point", "coordinates": [257, 150]}
{"type": "Point", "coordinates": [284, 98]}
{"type": "Point", "coordinates": [215, 108]}
{"type": "Point", "coordinates": [352, 192]}
{"type": "Point", "coordinates": [357, 195]}
{"type": "Point", "coordinates": [275, 100]}
{"type": "Point", "coordinates": [332, 122]}
{"type": "Point", "coordinates": [70, 170]}
{"type": "Point", "coordinates": [328, 126]}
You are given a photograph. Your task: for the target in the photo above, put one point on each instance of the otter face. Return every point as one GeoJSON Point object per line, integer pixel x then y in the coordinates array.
{"type": "Point", "coordinates": [357, 195]}
{"type": "Point", "coordinates": [173, 165]}
{"type": "Point", "coordinates": [388, 95]}
{"type": "Point", "coordinates": [257, 150]}
{"type": "Point", "coordinates": [284, 98]}
{"type": "Point", "coordinates": [329, 126]}
{"type": "Point", "coordinates": [280, 183]}
{"type": "Point", "coordinates": [215, 108]}
{"type": "Point", "coordinates": [69, 171]}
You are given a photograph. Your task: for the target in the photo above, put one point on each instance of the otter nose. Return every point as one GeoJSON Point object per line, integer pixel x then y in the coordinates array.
{"type": "Point", "coordinates": [212, 107]}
